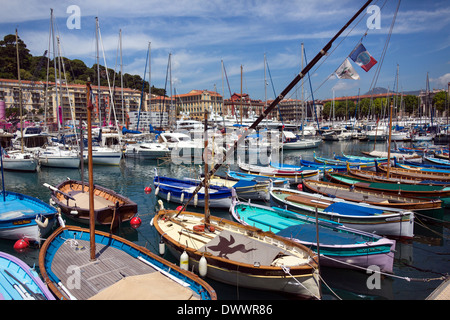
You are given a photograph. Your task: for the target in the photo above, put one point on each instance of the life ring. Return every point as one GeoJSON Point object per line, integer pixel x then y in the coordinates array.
{"type": "Point", "coordinates": [201, 228]}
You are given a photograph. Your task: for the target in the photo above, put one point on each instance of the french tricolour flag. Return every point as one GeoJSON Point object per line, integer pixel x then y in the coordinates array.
{"type": "Point", "coordinates": [363, 58]}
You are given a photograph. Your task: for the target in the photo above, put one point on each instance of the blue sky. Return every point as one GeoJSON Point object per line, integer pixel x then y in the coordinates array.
{"type": "Point", "coordinates": [200, 34]}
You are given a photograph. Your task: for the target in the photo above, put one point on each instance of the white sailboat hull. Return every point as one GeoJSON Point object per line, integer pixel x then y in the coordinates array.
{"type": "Point", "coordinates": [19, 164]}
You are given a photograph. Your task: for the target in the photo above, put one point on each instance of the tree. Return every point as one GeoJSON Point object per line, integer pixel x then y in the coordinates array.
{"type": "Point", "coordinates": [411, 102]}
{"type": "Point", "coordinates": [8, 56]}
{"type": "Point", "coordinates": [440, 100]}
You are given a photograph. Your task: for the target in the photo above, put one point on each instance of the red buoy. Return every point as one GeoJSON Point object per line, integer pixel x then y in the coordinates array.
{"type": "Point", "coordinates": [300, 187]}
{"type": "Point", "coordinates": [147, 190]}
{"type": "Point", "coordinates": [135, 222]}
{"type": "Point", "coordinates": [21, 245]}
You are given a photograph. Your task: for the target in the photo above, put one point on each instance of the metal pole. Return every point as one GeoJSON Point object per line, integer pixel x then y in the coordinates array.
{"type": "Point", "coordinates": [91, 174]}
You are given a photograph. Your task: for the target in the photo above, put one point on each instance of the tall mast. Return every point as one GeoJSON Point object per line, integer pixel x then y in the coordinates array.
{"type": "Point", "coordinates": [91, 173]}
{"type": "Point", "coordinates": [303, 99]}
{"type": "Point", "coordinates": [98, 75]}
{"type": "Point", "coordinates": [150, 77]}
{"type": "Point", "coordinates": [121, 77]}
{"type": "Point", "coordinates": [20, 91]}
{"type": "Point", "coordinates": [55, 68]}
{"type": "Point", "coordinates": [241, 111]}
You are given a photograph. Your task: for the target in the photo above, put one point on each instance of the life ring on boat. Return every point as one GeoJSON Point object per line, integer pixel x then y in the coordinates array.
{"type": "Point", "coordinates": [201, 228]}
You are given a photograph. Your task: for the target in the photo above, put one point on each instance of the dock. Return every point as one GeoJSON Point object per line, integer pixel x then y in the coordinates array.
{"type": "Point", "coordinates": [442, 292]}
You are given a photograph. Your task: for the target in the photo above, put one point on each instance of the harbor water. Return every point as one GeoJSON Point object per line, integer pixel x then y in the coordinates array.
{"type": "Point", "coordinates": [419, 266]}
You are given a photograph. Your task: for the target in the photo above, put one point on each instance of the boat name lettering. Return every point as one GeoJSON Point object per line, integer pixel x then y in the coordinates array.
{"type": "Point", "coordinates": [20, 222]}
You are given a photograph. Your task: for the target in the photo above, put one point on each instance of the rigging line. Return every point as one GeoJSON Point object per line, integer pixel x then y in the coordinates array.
{"type": "Point", "coordinates": [109, 85]}
{"type": "Point", "coordinates": [377, 72]}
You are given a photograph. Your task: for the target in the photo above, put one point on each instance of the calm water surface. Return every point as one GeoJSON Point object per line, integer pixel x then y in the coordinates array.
{"type": "Point", "coordinates": [416, 261]}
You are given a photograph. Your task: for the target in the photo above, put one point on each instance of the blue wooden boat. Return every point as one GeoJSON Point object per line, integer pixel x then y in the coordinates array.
{"type": "Point", "coordinates": [421, 167]}
{"type": "Point", "coordinates": [279, 182]}
{"type": "Point", "coordinates": [316, 165]}
{"type": "Point", "coordinates": [20, 282]}
{"type": "Point", "coordinates": [439, 161]}
{"type": "Point", "coordinates": [351, 158]}
{"type": "Point", "coordinates": [22, 216]}
{"type": "Point", "coordinates": [285, 166]}
{"type": "Point", "coordinates": [121, 270]}
{"type": "Point", "coordinates": [332, 161]}
{"type": "Point", "coordinates": [179, 191]}
{"type": "Point", "coordinates": [381, 220]}
{"type": "Point", "coordinates": [426, 165]}
{"type": "Point", "coordinates": [339, 246]}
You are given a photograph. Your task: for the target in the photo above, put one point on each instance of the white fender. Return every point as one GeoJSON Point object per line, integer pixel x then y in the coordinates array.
{"type": "Point", "coordinates": [182, 197]}
{"type": "Point", "coordinates": [202, 266]}
{"type": "Point", "coordinates": [156, 191]}
{"type": "Point", "coordinates": [162, 247]}
{"type": "Point", "coordinates": [184, 261]}
{"type": "Point", "coordinates": [168, 196]}
{"type": "Point", "coordinates": [195, 199]}
{"type": "Point", "coordinates": [161, 205]}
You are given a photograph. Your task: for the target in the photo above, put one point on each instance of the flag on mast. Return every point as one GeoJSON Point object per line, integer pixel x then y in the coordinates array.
{"type": "Point", "coordinates": [363, 58]}
{"type": "Point", "coordinates": [346, 71]}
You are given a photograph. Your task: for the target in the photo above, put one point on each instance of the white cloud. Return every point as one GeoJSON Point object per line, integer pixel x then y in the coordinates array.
{"type": "Point", "coordinates": [442, 81]}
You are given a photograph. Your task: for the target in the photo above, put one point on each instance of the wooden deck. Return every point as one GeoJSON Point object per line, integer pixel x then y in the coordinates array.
{"type": "Point", "coordinates": [110, 266]}
{"type": "Point", "coordinates": [442, 292]}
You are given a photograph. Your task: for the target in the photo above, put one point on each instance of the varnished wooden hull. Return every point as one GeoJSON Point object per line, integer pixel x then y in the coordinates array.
{"type": "Point", "coordinates": [109, 206]}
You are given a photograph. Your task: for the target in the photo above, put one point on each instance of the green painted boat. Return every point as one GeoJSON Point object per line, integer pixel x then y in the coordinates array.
{"type": "Point", "coordinates": [339, 246]}
{"type": "Point", "coordinates": [404, 189]}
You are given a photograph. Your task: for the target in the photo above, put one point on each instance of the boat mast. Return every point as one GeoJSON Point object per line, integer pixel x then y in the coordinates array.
{"type": "Point", "coordinates": [121, 77]}
{"type": "Point", "coordinates": [205, 180]}
{"type": "Point", "coordinates": [98, 74]}
{"type": "Point", "coordinates": [20, 92]}
{"type": "Point", "coordinates": [275, 102]}
{"type": "Point", "coordinates": [91, 174]}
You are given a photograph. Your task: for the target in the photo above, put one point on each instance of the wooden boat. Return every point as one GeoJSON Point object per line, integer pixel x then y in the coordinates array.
{"type": "Point", "coordinates": [292, 175]}
{"type": "Point", "coordinates": [317, 165]}
{"type": "Point", "coordinates": [361, 216]}
{"type": "Point", "coordinates": [351, 158]}
{"type": "Point", "coordinates": [239, 255]}
{"type": "Point", "coordinates": [245, 189]}
{"type": "Point", "coordinates": [20, 282]}
{"type": "Point", "coordinates": [22, 216]}
{"type": "Point", "coordinates": [278, 182]}
{"type": "Point", "coordinates": [442, 161]}
{"type": "Point", "coordinates": [331, 161]}
{"type": "Point", "coordinates": [285, 166]}
{"type": "Point", "coordinates": [180, 190]}
{"type": "Point", "coordinates": [415, 173]}
{"type": "Point", "coordinates": [110, 207]}
{"type": "Point", "coordinates": [122, 270]}
{"type": "Point", "coordinates": [384, 154]}
{"type": "Point", "coordinates": [422, 168]}
{"type": "Point", "coordinates": [404, 189]}
{"type": "Point", "coordinates": [339, 246]}
{"type": "Point", "coordinates": [373, 197]}
{"type": "Point", "coordinates": [392, 178]}
{"type": "Point", "coordinates": [426, 165]}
